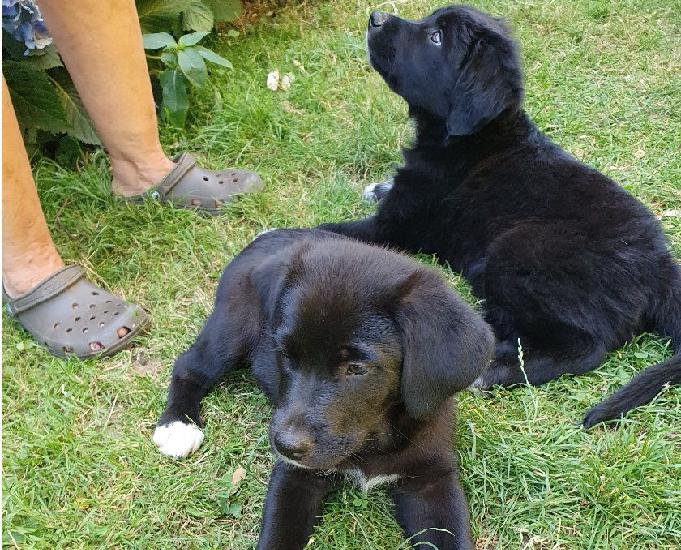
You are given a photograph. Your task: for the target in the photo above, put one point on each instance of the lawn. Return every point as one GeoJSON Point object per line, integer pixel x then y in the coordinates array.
{"type": "Point", "coordinates": [79, 467]}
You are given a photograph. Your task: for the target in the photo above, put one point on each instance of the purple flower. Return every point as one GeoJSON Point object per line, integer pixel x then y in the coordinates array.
{"type": "Point", "coordinates": [23, 20]}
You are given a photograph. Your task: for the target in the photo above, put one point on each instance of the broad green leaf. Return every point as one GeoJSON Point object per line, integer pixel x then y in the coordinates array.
{"type": "Point", "coordinates": [175, 102]}
{"type": "Point", "coordinates": [225, 10]}
{"type": "Point", "coordinates": [210, 55]}
{"type": "Point", "coordinates": [235, 509]}
{"type": "Point", "coordinates": [11, 48]}
{"type": "Point", "coordinates": [78, 123]}
{"type": "Point", "coordinates": [170, 59]}
{"type": "Point", "coordinates": [157, 40]}
{"type": "Point", "coordinates": [159, 15]}
{"type": "Point", "coordinates": [198, 16]}
{"type": "Point", "coordinates": [153, 8]}
{"type": "Point", "coordinates": [49, 59]}
{"type": "Point", "coordinates": [193, 66]}
{"type": "Point", "coordinates": [35, 100]}
{"type": "Point", "coordinates": [192, 38]}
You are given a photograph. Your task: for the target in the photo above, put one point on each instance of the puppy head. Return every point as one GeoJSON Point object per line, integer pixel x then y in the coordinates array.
{"type": "Point", "coordinates": [458, 64]}
{"type": "Point", "coordinates": [361, 334]}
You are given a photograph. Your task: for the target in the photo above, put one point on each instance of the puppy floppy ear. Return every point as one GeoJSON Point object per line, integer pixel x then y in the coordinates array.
{"type": "Point", "coordinates": [445, 344]}
{"type": "Point", "coordinates": [276, 275]}
{"type": "Point", "coordinates": [490, 81]}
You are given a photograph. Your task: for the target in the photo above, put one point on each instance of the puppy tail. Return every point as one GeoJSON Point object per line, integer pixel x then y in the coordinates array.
{"type": "Point", "coordinates": [645, 386]}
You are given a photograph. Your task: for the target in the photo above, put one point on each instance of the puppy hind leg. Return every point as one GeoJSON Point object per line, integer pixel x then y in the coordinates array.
{"type": "Point", "coordinates": [363, 230]}
{"type": "Point", "coordinates": [539, 365]}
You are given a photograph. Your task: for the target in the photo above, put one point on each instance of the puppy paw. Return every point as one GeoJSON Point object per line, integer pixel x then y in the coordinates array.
{"type": "Point", "coordinates": [177, 439]}
{"type": "Point", "coordinates": [498, 374]}
{"type": "Point", "coordinates": [479, 384]}
{"type": "Point", "coordinates": [377, 191]}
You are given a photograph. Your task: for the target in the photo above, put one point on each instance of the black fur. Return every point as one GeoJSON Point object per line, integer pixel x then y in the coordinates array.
{"type": "Point", "coordinates": [566, 260]}
{"type": "Point", "coordinates": [359, 350]}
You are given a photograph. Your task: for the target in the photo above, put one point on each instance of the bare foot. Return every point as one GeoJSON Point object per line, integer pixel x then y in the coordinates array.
{"type": "Point", "coordinates": [20, 275]}
{"type": "Point", "coordinates": [134, 178]}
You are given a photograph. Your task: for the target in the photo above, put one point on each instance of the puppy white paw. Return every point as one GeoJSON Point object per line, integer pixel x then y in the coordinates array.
{"type": "Point", "coordinates": [177, 439]}
{"type": "Point", "coordinates": [376, 191]}
{"type": "Point", "coordinates": [478, 383]}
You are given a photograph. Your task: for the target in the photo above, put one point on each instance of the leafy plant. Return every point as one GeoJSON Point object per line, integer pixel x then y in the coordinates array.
{"type": "Point", "coordinates": [184, 62]}
{"type": "Point", "coordinates": [177, 16]}
{"type": "Point", "coordinates": [43, 96]}
{"type": "Point", "coordinates": [228, 499]}
{"type": "Point", "coordinates": [45, 100]}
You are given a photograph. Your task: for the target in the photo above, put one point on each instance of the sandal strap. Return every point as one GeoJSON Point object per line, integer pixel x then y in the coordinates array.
{"type": "Point", "coordinates": [183, 163]}
{"type": "Point", "coordinates": [53, 285]}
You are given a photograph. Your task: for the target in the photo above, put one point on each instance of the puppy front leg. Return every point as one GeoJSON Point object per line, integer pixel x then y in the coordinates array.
{"type": "Point", "coordinates": [178, 431]}
{"type": "Point", "coordinates": [292, 507]}
{"type": "Point", "coordinates": [438, 507]}
{"type": "Point", "coordinates": [224, 343]}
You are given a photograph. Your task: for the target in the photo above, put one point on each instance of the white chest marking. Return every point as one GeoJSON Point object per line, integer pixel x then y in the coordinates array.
{"type": "Point", "coordinates": [358, 478]}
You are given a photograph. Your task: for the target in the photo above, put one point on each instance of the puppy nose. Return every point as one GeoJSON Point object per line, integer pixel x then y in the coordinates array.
{"type": "Point", "coordinates": [377, 18]}
{"type": "Point", "coordinates": [293, 443]}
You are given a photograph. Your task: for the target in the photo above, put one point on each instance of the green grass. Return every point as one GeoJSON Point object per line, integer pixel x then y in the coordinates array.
{"type": "Point", "coordinates": [79, 467]}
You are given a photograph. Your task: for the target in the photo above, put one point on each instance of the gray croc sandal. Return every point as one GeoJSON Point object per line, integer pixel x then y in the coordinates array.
{"type": "Point", "coordinates": [188, 186]}
{"type": "Point", "coordinates": [71, 316]}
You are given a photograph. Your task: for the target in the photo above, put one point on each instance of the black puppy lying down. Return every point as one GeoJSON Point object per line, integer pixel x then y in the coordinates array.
{"type": "Point", "coordinates": [359, 350]}
{"type": "Point", "coordinates": [567, 261]}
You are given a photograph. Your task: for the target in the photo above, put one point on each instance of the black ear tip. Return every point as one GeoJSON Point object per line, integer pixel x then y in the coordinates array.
{"type": "Point", "coordinates": [296, 263]}
{"type": "Point", "coordinates": [406, 285]}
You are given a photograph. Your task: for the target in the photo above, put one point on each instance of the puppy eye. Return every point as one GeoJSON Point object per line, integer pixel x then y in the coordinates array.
{"type": "Point", "coordinates": [355, 369]}
{"type": "Point", "coordinates": [436, 38]}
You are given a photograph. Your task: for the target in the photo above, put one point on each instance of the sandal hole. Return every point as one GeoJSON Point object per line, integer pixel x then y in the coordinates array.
{"type": "Point", "coordinates": [92, 306]}
{"type": "Point", "coordinates": [93, 318]}
{"type": "Point", "coordinates": [95, 293]}
{"type": "Point", "coordinates": [69, 329]}
{"type": "Point", "coordinates": [117, 312]}
{"type": "Point", "coordinates": [56, 325]}
{"type": "Point", "coordinates": [67, 349]}
{"type": "Point", "coordinates": [205, 178]}
{"type": "Point", "coordinates": [101, 323]}
{"type": "Point", "coordinates": [74, 305]}
{"type": "Point", "coordinates": [122, 332]}
{"type": "Point", "coordinates": [235, 180]}
{"type": "Point", "coordinates": [77, 319]}
{"type": "Point", "coordinates": [96, 346]}
{"type": "Point", "coordinates": [85, 330]}
{"type": "Point", "coordinates": [221, 182]}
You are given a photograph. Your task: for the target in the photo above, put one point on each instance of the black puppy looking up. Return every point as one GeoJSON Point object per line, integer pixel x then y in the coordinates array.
{"type": "Point", "coordinates": [566, 260]}
{"type": "Point", "coordinates": [359, 350]}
